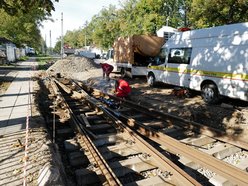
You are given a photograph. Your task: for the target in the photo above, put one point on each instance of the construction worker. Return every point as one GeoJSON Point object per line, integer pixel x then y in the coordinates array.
{"type": "Point", "coordinates": [122, 88]}
{"type": "Point", "coordinates": [106, 69]}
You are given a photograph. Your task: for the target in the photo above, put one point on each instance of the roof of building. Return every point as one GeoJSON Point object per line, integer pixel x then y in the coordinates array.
{"type": "Point", "coordinates": [4, 40]}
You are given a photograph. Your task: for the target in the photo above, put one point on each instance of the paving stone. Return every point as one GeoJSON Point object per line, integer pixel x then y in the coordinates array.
{"type": "Point", "coordinates": [13, 111]}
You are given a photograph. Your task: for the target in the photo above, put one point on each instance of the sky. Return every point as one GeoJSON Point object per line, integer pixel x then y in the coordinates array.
{"type": "Point", "coordinates": [75, 14]}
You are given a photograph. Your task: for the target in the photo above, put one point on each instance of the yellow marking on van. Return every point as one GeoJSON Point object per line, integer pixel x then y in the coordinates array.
{"type": "Point", "coordinates": [202, 73]}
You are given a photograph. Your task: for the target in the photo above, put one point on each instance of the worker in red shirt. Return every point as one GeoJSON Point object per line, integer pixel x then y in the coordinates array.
{"type": "Point", "coordinates": [106, 69]}
{"type": "Point", "coordinates": [122, 88]}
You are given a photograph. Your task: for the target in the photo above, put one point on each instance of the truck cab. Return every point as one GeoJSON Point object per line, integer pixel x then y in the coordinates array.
{"type": "Point", "coordinates": [110, 54]}
{"type": "Point", "coordinates": [109, 58]}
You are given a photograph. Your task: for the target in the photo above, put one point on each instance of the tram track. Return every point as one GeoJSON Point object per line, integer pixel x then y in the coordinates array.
{"type": "Point", "coordinates": [105, 126]}
{"type": "Point", "coordinates": [211, 143]}
{"type": "Point", "coordinates": [117, 154]}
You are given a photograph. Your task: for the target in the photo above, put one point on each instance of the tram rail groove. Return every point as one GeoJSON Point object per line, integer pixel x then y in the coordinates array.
{"type": "Point", "coordinates": [157, 159]}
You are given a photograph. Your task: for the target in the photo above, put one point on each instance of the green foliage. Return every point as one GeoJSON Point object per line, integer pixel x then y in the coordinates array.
{"type": "Point", "coordinates": [206, 13]}
{"type": "Point", "coordinates": [45, 62]}
{"type": "Point", "coordinates": [23, 58]}
{"type": "Point", "coordinates": [147, 16]}
{"type": "Point", "coordinates": [135, 17]}
{"type": "Point", "coordinates": [57, 48]}
{"type": "Point", "coordinates": [13, 7]}
{"type": "Point", "coordinates": [20, 20]}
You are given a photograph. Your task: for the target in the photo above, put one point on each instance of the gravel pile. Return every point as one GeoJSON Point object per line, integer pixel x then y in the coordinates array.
{"type": "Point", "coordinates": [73, 65]}
{"type": "Point", "coordinates": [80, 68]}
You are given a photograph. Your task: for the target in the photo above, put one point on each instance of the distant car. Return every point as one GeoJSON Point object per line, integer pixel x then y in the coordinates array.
{"type": "Point", "coordinates": [87, 54]}
{"type": "Point", "coordinates": [30, 51]}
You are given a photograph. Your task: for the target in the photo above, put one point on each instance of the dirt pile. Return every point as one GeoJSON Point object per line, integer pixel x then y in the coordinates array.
{"type": "Point", "coordinates": [79, 68]}
{"type": "Point", "coordinates": [73, 65]}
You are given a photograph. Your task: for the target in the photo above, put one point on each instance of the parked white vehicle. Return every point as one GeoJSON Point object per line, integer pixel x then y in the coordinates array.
{"type": "Point", "coordinates": [213, 61]}
{"type": "Point", "coordinates": [10, 51]}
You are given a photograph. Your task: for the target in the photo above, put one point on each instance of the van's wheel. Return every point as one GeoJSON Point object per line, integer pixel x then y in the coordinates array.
{"type": "Point", "coordinates": [151, 80]}
{"type": "Point", "coordinates": [210, 93]}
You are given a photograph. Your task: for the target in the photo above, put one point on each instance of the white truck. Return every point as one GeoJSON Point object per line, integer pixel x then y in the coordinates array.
{"type": "Point", "coordinates": [213, 61]}
{"type": "Point", "coordinates": [131, 55]}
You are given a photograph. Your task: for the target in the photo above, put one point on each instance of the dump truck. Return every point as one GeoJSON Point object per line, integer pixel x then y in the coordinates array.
{"type": "Point", "coordinates": [131, 55]}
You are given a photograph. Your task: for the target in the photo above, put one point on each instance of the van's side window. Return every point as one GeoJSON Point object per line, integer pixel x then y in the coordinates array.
{"type": "Point", "coordinates": [180, 55]}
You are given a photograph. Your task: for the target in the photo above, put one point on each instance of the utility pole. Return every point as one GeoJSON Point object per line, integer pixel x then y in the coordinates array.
{"type": "Point", "coordinates": [85, 30]}
{"type": "Point", "coordinates": [50, 34]}
{"type": "Point", "coordinates": [62, 42]}
{"type": "Point", "coordinates": [45, 45]}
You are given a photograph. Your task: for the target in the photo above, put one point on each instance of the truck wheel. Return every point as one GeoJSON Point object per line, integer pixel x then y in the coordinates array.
{"type": "Point", "coordinates": [151, 80]}
{"type": "Point", "coordinates": [210, 94]}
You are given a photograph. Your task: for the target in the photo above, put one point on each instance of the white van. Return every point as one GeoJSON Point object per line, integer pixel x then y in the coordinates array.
{"type": "Point", "coordinates": [213, 61]}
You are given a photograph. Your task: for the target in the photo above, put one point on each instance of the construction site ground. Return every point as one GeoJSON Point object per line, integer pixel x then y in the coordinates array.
{"type": "Point", "coordinates": [19, 103]}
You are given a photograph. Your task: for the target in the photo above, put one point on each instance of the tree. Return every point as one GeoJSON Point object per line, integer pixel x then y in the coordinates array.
{"type": "Point", "coordinates": [20, 20]}
{"type": "Point", "coordinates": [21, 29]}
{"type": "Point", "coordinates": [12, 7]}
{"type": "Point", "coordinates": [57, 47]}
{"type": "Point", "coordinates": [218, 12]}
{"type": "Point", "coordinates": [104, 27]}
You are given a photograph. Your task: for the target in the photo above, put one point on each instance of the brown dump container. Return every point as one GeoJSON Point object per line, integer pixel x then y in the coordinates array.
{"type": "Point", "coordinates": [124, 48]}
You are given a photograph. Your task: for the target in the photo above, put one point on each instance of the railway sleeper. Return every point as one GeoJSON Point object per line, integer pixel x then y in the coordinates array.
{"type": "Point", "coordinates": [108, 139]}
{"type": "Point", "coordinates": [198, 140]}
{"type": "Point", "coordinates": [121, 153]}
{"type": "Point", "coordinates": [137, 165]}
{"type": "Point", "coordinates": [222, 150]}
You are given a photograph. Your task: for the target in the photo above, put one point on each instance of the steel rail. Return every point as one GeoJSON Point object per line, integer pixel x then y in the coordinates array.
{"type": "Point", "coordinates": [181, 175]}
{"type": "Point", "coordinates": [99, 160]}
{"type": "Point", "coordinates": [222, 168]}
{"type": "Point", "coordinates": [226, 170]}
{"type": "Point", "coordinates": [195, 126]}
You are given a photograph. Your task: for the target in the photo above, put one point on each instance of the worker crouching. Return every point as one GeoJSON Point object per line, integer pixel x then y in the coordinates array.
{"type": "Point", "coordinates": [122, 88]}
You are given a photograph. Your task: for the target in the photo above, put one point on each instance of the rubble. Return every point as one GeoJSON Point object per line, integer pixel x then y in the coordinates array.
{"type": "Point", "coordinates": [73, 65]}
{"type": "Point", "coordinates": [79, 68]}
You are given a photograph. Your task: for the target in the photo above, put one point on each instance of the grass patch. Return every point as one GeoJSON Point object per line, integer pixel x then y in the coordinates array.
{"type": "Point", "coordinates": [44, 62]}
{"type": "Point", "coordinates": [23, 58]}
